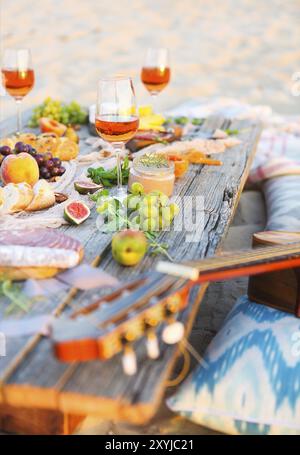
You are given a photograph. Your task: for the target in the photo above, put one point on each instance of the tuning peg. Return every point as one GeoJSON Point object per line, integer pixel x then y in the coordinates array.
{"type": "Point", "coordinates": [173, 332]}
{"type": "Point", "coordinates": [152, 345]}
{"type": "Point", "coordinates": [129, 362]}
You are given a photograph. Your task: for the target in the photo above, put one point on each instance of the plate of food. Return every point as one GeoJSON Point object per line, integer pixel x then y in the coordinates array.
{"type": "Point", "coordinates": [31, 168]}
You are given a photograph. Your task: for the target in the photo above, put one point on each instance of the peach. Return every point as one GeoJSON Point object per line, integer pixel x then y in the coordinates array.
{"type": "Point", "coordinates": [47, 125]}
{"type": "Point", "coordinates": [20, 168]}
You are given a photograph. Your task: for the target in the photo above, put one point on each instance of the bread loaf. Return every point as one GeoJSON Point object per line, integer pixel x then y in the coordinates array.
{"type": "Point", "coordinates": [17, 197]}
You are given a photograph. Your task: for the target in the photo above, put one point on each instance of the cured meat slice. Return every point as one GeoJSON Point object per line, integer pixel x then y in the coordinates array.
{"type": "Point", "coordinates": [50, 238]}
{"type": "Point", "coordinates": [37, 253]}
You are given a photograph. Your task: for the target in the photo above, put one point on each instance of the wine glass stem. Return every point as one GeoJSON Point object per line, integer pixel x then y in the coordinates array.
{"type": "Point", "coordinates": [154, 103]}
{"type": "Point", "coordinates": [19, 117]}
{"type": "Point", "coordinates": [118, 149]}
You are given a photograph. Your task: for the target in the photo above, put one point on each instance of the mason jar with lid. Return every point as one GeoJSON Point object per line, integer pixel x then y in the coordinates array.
{"type": "Point", "coordinates": [155, 172]}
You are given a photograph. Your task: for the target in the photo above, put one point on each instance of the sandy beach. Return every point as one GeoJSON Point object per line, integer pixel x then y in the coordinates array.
{"type": "Point", "coordinates": [247, 49]}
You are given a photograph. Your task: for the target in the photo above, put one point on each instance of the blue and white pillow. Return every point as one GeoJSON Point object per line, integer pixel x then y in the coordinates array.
{"type": "Point", "coordinates": [250, 381]}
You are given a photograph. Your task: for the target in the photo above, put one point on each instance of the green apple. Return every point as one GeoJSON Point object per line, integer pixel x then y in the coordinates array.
{"type": "Point", "coordinates": [129, 247]}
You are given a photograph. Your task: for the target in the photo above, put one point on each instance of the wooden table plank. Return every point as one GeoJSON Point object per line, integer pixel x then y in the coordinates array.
{"type": "Point", "coordinates": [101, 388]}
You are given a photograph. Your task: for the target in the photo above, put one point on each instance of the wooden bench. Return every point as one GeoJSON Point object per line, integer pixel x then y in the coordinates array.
{"type": "Point", "coordinates": [41, 395]}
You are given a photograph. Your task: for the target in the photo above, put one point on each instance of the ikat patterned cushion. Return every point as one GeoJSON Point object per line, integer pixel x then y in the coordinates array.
{"type": "Point", "coordinates": [250, 380]}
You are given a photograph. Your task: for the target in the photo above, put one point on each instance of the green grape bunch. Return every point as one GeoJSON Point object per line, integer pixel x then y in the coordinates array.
{"type": "Point", "coordinates": [68, 114]}
{"type": "Point", "coordinates": [148, 212]}
{"type": "Point", "coordinates": [151, 213]}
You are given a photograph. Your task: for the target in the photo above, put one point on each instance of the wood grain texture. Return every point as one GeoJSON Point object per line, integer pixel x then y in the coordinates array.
{"type": "Point", "coordinates": [37, 380]}
{"type": "Point", "coordinates": [37, 421]}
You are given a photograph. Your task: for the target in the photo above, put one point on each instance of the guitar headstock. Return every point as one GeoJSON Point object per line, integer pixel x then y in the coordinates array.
{"type": "Point", "coordinates": [116, 321]}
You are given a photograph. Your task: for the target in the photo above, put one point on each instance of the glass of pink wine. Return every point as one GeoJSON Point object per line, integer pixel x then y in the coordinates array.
{"type": "Point", "coordinates": [116, 118]}
{"type": "Point", "coordinates": [156, 72]}
{"type": "Point", "coordinates": [18, 77]}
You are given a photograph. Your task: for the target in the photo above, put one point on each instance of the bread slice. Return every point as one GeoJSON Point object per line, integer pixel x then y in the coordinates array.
{"type": "Point", "coordinates": [15, 197]}
{"type": "Point", "coordinates": [26, 195]}
{"type": "Point", "coordinates": [43, 197]}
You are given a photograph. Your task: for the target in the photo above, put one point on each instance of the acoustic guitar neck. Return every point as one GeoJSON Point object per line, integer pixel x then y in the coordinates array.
{"type": "Point", "coordinates": [154, 299]}
{"type": "Point", "coordinates": [218, 268]}
{"type": "Point", "coordinates": [241, 263]}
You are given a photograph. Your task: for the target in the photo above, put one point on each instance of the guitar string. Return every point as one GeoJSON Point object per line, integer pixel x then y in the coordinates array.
{"type": "Point", "coordinates": [184, 371]}
{"type": "Point", "coordinates": [218, 262]}
{"type": "Point", "coordinates": [256, 251]}
{"type": "Point", "coordinates": [270, 254]}
{"type": "Point", "coordinates": [187, 350]}
{"type": "Point", "coordinates": [194, 353]}
{"type": "Point", "coordinates": [186, 353]}
{"type": "Point", "coordinates": [95, 322]}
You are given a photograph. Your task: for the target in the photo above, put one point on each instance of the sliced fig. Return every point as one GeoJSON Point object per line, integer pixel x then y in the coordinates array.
{"type": "Point", "coordinates": [76, 212]}
{"type": "Point", "coordinates": [60, 197]}
{"type": "Point", "coordinates": [87, 187]}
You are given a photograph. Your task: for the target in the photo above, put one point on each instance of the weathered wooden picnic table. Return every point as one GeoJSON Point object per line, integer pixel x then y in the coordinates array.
{"type": "Point", "coordinates": [39, 394]}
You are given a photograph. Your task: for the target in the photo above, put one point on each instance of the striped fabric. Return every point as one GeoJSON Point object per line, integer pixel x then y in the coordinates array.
{"type": "Point", "coordinates": [277, 154]}
{"type": "Point", "coordinates": [282, 196]}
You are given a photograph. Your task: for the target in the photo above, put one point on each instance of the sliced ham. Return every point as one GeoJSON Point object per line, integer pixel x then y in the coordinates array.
{"type": "Point", "coordinates": [39, 238]}
{"type": "Point", "coordinates": [37, 253]}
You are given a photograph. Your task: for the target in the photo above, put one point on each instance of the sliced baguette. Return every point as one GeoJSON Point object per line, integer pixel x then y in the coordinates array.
{"type": "Point", "coordinates": [26, 195]}
{"type": "Point", "coordinates": [43, 197]}
{"type": "Point", "coordinates": [15, 197]}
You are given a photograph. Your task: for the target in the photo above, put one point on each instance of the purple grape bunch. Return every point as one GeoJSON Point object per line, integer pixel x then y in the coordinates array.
{"type": "Point", "coordinates": [5, 150]}
{"type": "Point", "coordinates": [49, 166]}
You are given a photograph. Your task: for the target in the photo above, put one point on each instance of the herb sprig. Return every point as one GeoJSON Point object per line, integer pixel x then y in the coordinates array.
{"type": "Point", "coordinates": [231, 132]}
{"type": "Point", "coordinates": [154, 160]}
{"type": "Point", "coordinates": [18, 300]}
{"type": "Point", "coordinates": [183, 120]}
{"type": "Point", "coordinates": [109, 178]}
